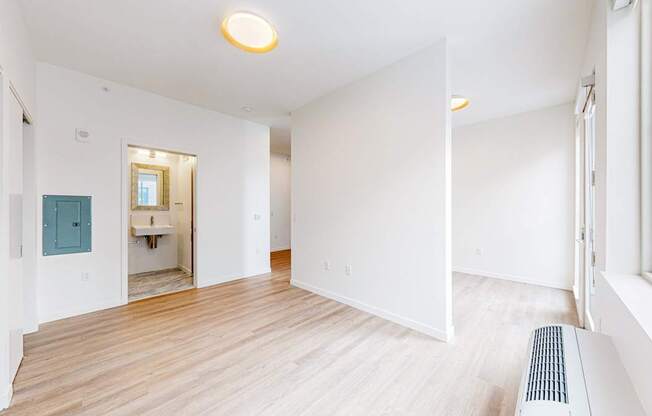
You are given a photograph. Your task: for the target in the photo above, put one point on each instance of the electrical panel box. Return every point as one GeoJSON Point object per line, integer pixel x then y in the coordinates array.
{"type": "Point", "coordinates": [67, 224]}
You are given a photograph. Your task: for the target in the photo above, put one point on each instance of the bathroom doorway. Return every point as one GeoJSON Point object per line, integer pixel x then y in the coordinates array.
{"type": "Point", "coordinates": [160, 201]}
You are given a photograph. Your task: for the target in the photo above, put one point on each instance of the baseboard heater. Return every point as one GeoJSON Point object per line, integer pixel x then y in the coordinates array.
{"type": "Point", "coordinates": [573, 372]}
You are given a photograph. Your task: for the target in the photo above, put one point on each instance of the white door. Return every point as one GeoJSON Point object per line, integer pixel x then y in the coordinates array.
{"type": "Point", "coordinates": [589, 210]}
{"type": "Point", "coordinates": [580, 218]}
{"type": "Point", "coordinates": [15, 266]}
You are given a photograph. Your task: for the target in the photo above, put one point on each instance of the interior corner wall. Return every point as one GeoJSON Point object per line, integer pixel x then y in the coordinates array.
{"type": "Point", "coordinates": [280, 177]}
{"type": "Point", "coordinates": [371, 194]}
{"type": "Point", "coordinates": [513, 196]}
{"type": "Point", "coordinates": [232, 210]}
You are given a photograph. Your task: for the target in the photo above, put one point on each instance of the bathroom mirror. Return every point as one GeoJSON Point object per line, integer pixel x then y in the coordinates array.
{"type": "Point", "coordinates": [150, 187]}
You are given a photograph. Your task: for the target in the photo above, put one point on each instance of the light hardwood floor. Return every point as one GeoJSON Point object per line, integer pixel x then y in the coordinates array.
{"type": "Point", "coordinates": [261, 347]}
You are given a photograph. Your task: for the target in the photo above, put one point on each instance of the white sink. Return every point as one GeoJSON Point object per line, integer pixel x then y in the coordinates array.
{"type": "Point", "coordinates": [142, 230]}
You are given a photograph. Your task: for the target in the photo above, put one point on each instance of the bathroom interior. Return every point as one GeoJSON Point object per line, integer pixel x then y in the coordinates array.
{"type": "Point", "coordinates": [161, 222]}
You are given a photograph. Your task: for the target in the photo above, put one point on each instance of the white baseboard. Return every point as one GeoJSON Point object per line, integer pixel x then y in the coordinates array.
{"type": "Point", "coordinates": [30, 329]}
{"type": "Point", "coordinates": [69, 313]}
{"type": "Point", "coordinates": [275, 249]}
{"type": "Point", "coordinates": [513, 278]}
{"type": "Point", "coordinates": [184, 268]}
{"type": "Point", "coordinates": [5, 397]}
{"type": "Point", "coordinates": [227, 279]}
{"type": "Point", "coordinates": [443, 335]}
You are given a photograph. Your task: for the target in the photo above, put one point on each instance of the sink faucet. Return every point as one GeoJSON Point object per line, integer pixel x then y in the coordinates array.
{"type": "Point", "coordinates": [151, 220]}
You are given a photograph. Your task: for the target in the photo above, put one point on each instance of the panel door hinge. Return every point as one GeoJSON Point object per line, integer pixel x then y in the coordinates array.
{"type": "Point", "coordinates": [593, 259]}
{"type": "Point", "coordinates": [592, 178]}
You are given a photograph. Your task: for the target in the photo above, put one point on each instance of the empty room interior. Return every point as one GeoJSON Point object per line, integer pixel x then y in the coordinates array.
{"type": "Point", "coordinates": [326, 208]}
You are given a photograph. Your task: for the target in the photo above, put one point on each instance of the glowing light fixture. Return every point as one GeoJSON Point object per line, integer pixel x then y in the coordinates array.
{"type": "Point", "coordinates": [459, 103]}
{"type": "Point", "coordinates": [249, 32]}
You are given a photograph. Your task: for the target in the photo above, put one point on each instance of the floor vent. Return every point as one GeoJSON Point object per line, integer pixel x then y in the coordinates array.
{"type": "Point", "coordinates": [547, 375]}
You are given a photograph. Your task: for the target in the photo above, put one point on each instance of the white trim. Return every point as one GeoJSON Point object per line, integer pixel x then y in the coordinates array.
{"type": "Point", "coordinates": [126, 195]}
{"type": "Point", "coordinates": [69, 313]}
{"type": "Point", "coordinates": [232, 278]}
{"type": "Point", "coordinates": [284, 248]}
{"type": "Point", "coordinates": [184, 268]}
{"type": "Point", "coordinates": [32, 328]}
{"type": "Point", "coordinates": [513, 278]}
{"type": "Point", "coordinates": [589, 323]}
{"type": "Point", "coordinates": [124, 222]}
{"type": "Point", "coordinates": [5, 398]}
{"type": "Point", "coordinates": [647, 276]}
{"type": "Point", "coordinates": [442, 335]}
{"type": "Point", "coordinates": [646, 136]}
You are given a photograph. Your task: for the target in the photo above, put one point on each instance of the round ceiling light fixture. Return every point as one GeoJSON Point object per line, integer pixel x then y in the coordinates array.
{"type": "Point", "coordinates": [459, 103]}
{"type": "Point", "coordinates": [249, 32]}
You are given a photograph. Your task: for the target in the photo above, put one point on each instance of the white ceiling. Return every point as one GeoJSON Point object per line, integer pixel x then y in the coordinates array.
{"type": "Point", "coordinates": [507, 56]}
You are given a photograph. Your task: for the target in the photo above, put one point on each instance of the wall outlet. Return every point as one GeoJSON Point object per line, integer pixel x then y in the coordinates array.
{"type": "Point", "coordinates": [326, 265]}
{"type": "Point", "coordinates": [478, 252]}
{"type": "Point", "coordinates": [348, 270]}
{"type": "Point", "coordinates": [85, 276]}
{"type": "Point", "coordinates": [256, 217]}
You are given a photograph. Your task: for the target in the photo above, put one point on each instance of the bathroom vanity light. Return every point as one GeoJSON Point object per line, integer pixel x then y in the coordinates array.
{"type": "Point", "coordinates": [249, 32]}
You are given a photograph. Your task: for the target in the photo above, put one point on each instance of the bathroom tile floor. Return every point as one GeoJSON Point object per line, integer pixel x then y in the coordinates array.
{"type": "Point", "coordinates": [146, 285]}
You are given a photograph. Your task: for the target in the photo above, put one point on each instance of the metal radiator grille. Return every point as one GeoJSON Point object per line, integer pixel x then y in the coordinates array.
{"type": "Point", "coordinates": [547, 378]}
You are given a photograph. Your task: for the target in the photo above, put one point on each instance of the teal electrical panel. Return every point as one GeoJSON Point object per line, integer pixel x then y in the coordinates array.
{"type": "Point", "coordinates": [66, 224]}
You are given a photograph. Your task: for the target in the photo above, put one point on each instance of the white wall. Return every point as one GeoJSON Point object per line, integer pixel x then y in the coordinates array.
{"type": "Point", "coordinates": [513, 197]}
{"type": "Point", "coordinates": [17, 69]}
{"type": "Point", "coordinates": [623, 311]}
{"type": "Point", "coordinates": [16, 57]}
{"type": "Point", "coordinates": [371, 189]}
{"type": "Point", "coordinates": [623, 185]}
{"type": "Point", "coordinates": [614, 51]}
{"type": "Point", "coordinates": [280, 177]}
{"type": "Point", "coordinates": [173, 249]}
{"type": "Point", "coordinates": [232, 183]}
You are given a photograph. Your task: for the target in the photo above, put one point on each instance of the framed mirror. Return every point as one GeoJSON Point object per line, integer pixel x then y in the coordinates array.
{"type": "Point", "coordinates": [150, 187]}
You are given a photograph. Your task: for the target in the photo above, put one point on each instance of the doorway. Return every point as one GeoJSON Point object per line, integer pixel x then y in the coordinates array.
{"type": "Point", "coordinates": [585, 180]}
{"type": "Point", "coordinates": [160, 224]}
{"type": "Point", "coordinates": [18, 203]}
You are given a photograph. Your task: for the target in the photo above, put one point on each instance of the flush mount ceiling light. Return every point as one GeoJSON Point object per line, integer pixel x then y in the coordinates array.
{"type": "Point", "coordinates": [249, 32]}
{"type": "Point", "coordinates": [459, 103]}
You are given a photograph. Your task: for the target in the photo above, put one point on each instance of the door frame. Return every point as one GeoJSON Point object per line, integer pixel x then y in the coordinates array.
{"type": "Point", "coordinates": [580, 211]}
{"type": "Point", "coordinates": [126, 204]}
{"type": "Point", "coordinates": [585, 181]}
{"type": "Point", "coordinates": [7, 92]}
{"type": "Point", "coordinates": [590, 178]}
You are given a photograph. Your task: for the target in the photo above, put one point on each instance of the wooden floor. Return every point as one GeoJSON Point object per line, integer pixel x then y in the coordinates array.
{"type": "Point", "coordinates": [149, 284]}
{"type": "Point", "coordinates": [260, 347]}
